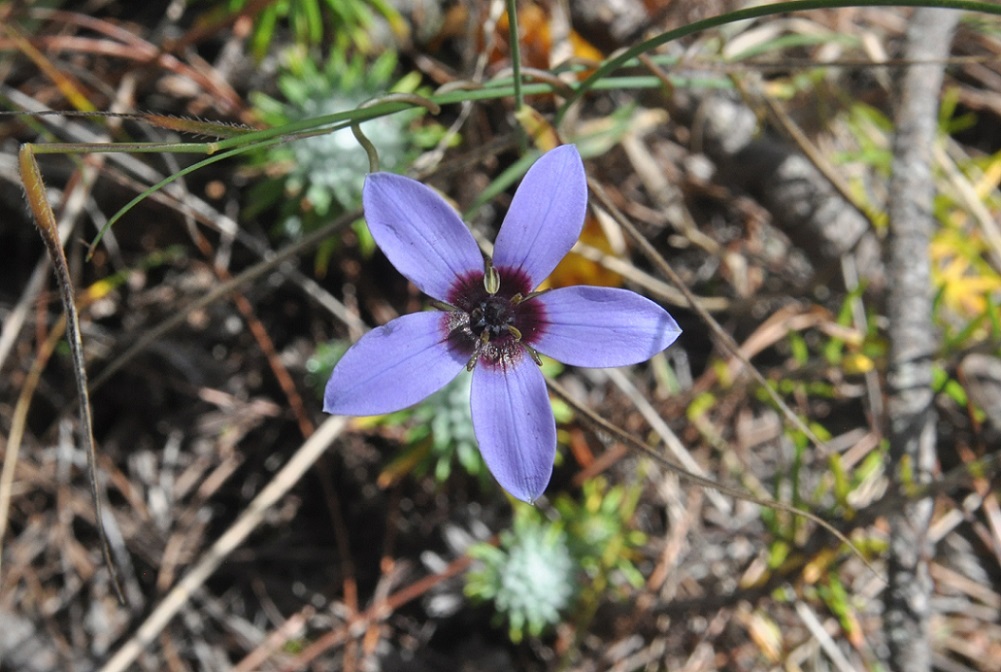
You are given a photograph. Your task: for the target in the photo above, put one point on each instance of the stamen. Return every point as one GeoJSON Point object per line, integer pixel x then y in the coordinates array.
{"type": "Point", "coordinates": [491, 278]}
{"type": "Point", "coordinates": [481, 344]}
{"type": "Point", "coordinates": [532, 351]}
{"type": "Point", "coordinates": [514, 331]}
{"type": "Point", "coordinates": [447, 307]}
{"type": "Point", "coordinates": [532, 295]}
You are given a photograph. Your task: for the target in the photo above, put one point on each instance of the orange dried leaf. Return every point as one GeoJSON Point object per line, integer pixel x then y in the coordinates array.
{"type": "Point", "coordinates": [576, 270]}
{"type": "Point", "coordinates": [537, 40]}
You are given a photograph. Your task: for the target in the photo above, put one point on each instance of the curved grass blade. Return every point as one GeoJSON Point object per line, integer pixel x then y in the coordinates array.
{"type": "Point", "coordinates": [756, 12]}
{"type": "Point", "coordinates": [34, 190]}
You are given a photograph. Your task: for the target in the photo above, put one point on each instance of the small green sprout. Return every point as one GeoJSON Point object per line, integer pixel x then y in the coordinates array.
{"type": "Point", "coordinates": [601, 534]}
{"type": "Point", "coordinates": [531, 576]}
{"type": "Point", "coordinates": [321, 175]}
{"type": "Point", "coordinates": [311, 22]}
{"type": "Point", "coordinates": [542, 569]}
{"type": "Point", "coordinates": [444, 420]}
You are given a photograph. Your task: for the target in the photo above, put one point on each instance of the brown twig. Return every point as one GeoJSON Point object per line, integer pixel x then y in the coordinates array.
{"type": "Point", "coordinates": [378, 611]}
{"type": "Point", "coordinates": [249, 519]}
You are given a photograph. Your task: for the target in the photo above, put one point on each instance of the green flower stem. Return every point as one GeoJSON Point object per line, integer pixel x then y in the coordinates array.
{"type": "Point", "coordinates": [515, 47]}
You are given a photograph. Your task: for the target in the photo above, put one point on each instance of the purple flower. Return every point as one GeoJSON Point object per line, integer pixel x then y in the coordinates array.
{"type": "Point", "coordinates": [491, 321]}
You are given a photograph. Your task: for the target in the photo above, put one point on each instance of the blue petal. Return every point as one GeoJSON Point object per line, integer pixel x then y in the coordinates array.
{"type": "Point", "coordinates": [546, 216]}
{"type": "Point", "coordinates": [602, 326]}
{"type": "Point", "coordinates": [393, 366]}
{"type": "Point", "coordinates": [514, 425]}
{"type": "Point", "coordinates": [420, 233]}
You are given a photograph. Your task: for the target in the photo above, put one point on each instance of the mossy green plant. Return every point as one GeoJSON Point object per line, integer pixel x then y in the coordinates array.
{"type": "Point", "coordinates": [530, 576]}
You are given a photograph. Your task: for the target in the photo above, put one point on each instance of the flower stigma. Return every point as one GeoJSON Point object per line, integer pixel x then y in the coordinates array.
{"type": "Point", "coordinates": [491, 278]}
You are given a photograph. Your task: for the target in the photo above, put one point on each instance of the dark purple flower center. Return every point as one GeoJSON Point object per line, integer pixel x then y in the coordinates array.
{"type": "Point", "coordinates": [493, 329]}
{"type": "Point", "coordinates": [494, 315]}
